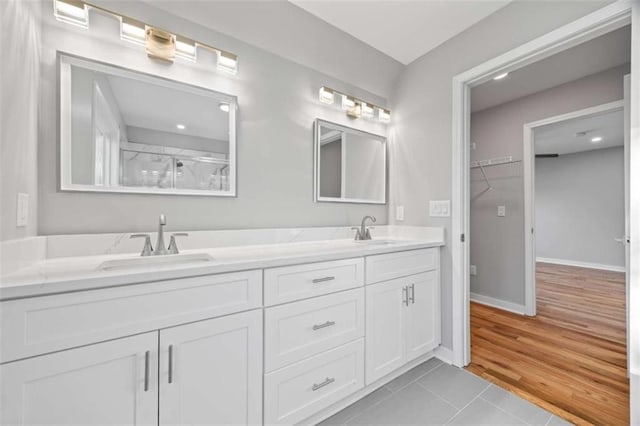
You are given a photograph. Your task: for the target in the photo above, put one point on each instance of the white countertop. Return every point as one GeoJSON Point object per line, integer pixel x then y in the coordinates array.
{"type": "Point", "coordinates": [67, 274]}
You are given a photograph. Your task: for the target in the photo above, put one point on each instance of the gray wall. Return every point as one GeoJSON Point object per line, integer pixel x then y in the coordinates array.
{"type": "Point", "coordinates": [497, 243]}
{"type": "Point", "coordinates": [278, 102]}
{"type": "Point", "coordinates": [20, 32]}
{"type": "Point", "coordinates": [580, 207]}
{"type": "Point", "coordinates": [421, 132]}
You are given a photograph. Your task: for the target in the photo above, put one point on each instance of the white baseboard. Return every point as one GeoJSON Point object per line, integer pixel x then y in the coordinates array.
{"type": "Point", "coordinates": [444, 354]}
{"type": "Point", "coordinates": [497, 303]}
{"type": "Point", "coordinates": [589, 265]}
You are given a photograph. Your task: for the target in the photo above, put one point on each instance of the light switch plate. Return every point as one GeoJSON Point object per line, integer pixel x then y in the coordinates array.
{"type": "Point", "coordinates": [473, 270]}
{"type": "Point", "coordinates": [400, 213]}
{"type": "Point", "coordinates": [22, 210]}
{"type": "Point", "coordinates": [440, 208]}
{"type": "Point", "coordinates": [502, 211]}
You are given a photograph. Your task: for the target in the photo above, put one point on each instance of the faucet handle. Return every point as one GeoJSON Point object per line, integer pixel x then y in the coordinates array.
{"type": "Point", "coordinates": [148, 249]}
{"type": "Point", "coordinates": [357, 229]}
{"type": "Point", "coordinates": [173, 247]}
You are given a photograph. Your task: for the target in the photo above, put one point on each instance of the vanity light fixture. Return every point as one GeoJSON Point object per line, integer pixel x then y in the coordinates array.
{"type": "Point", "coordinates": [181, 126]}
{"type": "Point", "coordinates": [223, 106]}
{"type": "Point", "coordinates": [160, 44]}
{"type": "Point", "coordinates": [355, 108]}
{"type": "Point", "coordinates": [501, 76]}
{"type": "Point", "coordinates": [596, 139]}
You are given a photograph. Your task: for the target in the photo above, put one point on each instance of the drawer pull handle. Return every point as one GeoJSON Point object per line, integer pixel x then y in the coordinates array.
{"type": "Point", "coordinates": [325, 325]}
{"type": "Point", "coordinates": [322, 280]}
{"type": "Point", "coordinates": [147, 355]}
{"type": "Point", "coordinates": [326, 382]}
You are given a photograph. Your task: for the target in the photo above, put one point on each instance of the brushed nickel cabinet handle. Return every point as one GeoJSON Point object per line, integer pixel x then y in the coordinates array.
{"type": "Point", "coordinates": [322, 280]}
{"type": "Point", "coordinates": [147, 356]}
{"type": "Point", "coordinates": [413, 293]}
{"type": "Point", "coordinates": [170, 363]}
{"type": "Point", "coordinates": [325, 325]}
{"type": "Point", "coordinates": [326, 382]}
{"type": "Point", "coordinates": [405, 296]}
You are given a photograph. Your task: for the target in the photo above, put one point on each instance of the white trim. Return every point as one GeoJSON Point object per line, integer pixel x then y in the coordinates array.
{"type": "Point", "coordinates": [498, 303]}
{"type": "Point", "coordinates": [444, 354]}
{"type": "Point", "coordinates": [528, 160]}
{"type": "Point", "coordinates": [589, 265]}
{"type": "Point", "coordinates": [602, 21]}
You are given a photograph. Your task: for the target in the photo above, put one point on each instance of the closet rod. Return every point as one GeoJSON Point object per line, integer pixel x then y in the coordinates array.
{"type": "Point", "coordinates": [493, 162]}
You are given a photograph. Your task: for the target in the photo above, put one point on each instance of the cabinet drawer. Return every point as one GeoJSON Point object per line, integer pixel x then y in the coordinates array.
{"type": "Point", "coordinates": [44, 324]}
{"type": "Point", "coordinates": [296, 282]}
{"type": "Point", "coordinates": [385, 267]}
{"type": "Point", "coordinates": [301, 329]}
{"type": "Point", "coordinates": [296, 392]}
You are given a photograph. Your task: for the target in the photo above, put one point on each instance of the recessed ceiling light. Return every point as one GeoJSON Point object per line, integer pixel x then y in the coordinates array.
{"type": "Point", "coordinates": [596, 139]}
{"type": "Point", "coordinates": [224, 107]}
{"type": "Point", "coordinates": [181, 126]}
{"type": "Point", "coordinates": [501, 76]}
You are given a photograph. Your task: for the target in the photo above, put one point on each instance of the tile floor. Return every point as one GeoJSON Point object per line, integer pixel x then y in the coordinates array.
{"type": "Point", "coordinates": [434, 393]}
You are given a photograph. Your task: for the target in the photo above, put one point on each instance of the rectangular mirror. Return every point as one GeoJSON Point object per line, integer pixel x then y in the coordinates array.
{"type": "Point", "coordinates": [350, 165]}
{"type": "Point", "coordinates": [126, 131]}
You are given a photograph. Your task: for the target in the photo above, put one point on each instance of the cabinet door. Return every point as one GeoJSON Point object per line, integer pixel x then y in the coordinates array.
{"type": "Point", "coordinates": [385, 317]}
{"type": "Point", "coordinates": [422, 314]}
{"type": "Point", "coordinates": [211, 371]}
{"type": "Point", "coordinates": [107, 383]}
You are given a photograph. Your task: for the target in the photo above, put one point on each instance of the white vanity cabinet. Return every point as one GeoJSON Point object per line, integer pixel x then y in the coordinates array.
{"type": "Point", "coordinates": [402, 314]}
{"type": "Point", "coordinates": [113, 382]}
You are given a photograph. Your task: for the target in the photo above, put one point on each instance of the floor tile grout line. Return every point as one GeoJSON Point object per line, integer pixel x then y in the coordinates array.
{"type": "Point", "coordinates": [458, 412]}
{"type": "Point", "coordinates": [513, 415]}
{"type": "Point", "coordinates": [412, 381]}
{"type": "Point", "coordinates": [370, 406]}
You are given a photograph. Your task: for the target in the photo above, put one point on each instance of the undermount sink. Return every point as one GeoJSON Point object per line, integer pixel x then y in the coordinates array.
{"type": "Point", "coordinates": [377, 242]}
{"type": "Point", "coordinates": [155, 261]}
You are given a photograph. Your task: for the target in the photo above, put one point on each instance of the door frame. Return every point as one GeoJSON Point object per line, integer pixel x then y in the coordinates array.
{"type": "Point", "coordinates": [602, 21]}
{"type": "Point", "coordinates": [528, 161]}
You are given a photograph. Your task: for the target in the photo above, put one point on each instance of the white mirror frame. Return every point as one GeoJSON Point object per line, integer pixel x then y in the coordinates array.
{"type": "Point", "coordinates": [65, 184]}
{"type": "Point", "coordinates": [316, 164]}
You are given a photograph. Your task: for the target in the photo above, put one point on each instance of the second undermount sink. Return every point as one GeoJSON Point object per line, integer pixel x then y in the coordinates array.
{"type": "Point", "coordinates": [377, 242]}
{"type": "Point", "coordinates": [155, 261]}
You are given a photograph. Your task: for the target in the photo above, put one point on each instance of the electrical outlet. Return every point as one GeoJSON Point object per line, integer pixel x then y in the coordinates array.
{"type": "Point", "coordinates": [473, 146]}
{"type": "Point", "coordinates": [473, 270]}
{"type": "Point", "coordinates": [400, 213]}
{"type": "Point", "coordinates": [440, 208]}
{"type": "Point", "coordinates": [22, 210]}
{"type": "Point", "coordinates": [502, 211]}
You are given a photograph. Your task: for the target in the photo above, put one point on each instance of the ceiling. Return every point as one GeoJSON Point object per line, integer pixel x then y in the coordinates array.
{"type": "Point", "coordinates": [160, 108]}
{"type": "Point", "coordinates": [602, 53]}
{"type": "Point", "coordinates": [560, 138]}
{"type": "Point", "coordinates": [403, 30]}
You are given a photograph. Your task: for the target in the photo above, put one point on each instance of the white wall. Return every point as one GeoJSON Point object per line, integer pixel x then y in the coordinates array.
{"type": "Point", "coordinates": [580, 207]}
{"type": "Point", "coordinates": [422, 122]}
{"type": "Point", "coordinates": [20, 76]}
{"type": "Point", "coordinates": [278, 103]}
{"type": "Point", "coordinates": [497, 243]}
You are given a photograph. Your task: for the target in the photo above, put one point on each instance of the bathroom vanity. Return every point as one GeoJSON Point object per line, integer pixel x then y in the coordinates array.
{"type": "Point", "coordinates": [271, 334]}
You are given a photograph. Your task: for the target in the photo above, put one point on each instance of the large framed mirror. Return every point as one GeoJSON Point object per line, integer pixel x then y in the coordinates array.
{"type": "Point", "coordinates": [126, 131]}
{"type": "Point", "coordinates": [350, 165]}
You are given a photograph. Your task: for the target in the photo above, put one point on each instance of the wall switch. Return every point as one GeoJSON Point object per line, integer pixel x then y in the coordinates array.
{"type": "Point", "coordinates": [502, 211]}
{"type": "Point", "coordinates": [473, 270]}
{"type": "Point", "coordinates": [473, 146]}
{"type": "Point", "coordinates": [440, 208]}
{"type": "Point", "coordinates": [22, 210]}
{"type": "Point", "coordinates": [400, 213]}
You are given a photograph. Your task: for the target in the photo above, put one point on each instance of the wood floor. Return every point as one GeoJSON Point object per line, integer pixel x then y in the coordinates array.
{"type": "Point", "coordinates": [571, 358]}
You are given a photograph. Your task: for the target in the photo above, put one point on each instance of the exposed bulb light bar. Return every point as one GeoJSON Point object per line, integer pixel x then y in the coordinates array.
{"type": "Point", "coordinates": [354, 107]}
{"type": "Point", "coordinates": [160, 44]}
{"type": "Point", "coordinates": [224, 106]}
{"type": "Point", "coordinates": [72, 12]}
{"type": "Point", "coordinates": [326, 96]}
{"type": "Point", "coordinates": [501, 76]}
{"type": "Point", "coordinates": [596, 139]}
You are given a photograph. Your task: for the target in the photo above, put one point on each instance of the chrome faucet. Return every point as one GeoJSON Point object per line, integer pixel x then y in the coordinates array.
{"type": "Point", "coordinates": [363, 232]}
{"type": "Point", "coordinates": [161, 249]}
